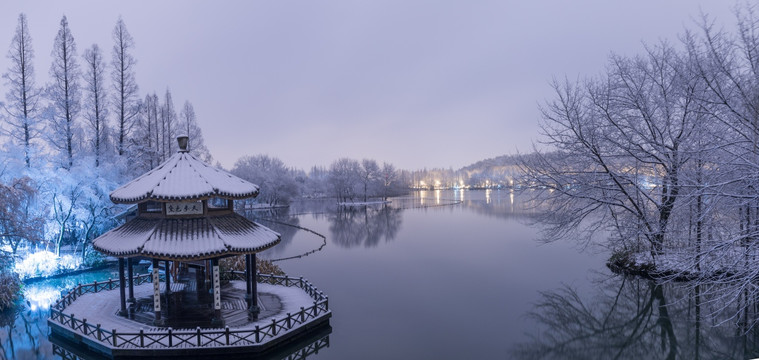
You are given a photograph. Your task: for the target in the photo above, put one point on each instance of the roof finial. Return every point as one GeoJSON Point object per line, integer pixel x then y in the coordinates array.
{"type": "Point", "coordinates": [183, 140]}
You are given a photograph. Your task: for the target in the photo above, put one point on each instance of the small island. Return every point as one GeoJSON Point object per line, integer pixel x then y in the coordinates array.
{"type": "Point", "coordinates": [185, 221]}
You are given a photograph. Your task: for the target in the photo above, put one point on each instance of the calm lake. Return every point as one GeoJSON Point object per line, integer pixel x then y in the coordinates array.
{"type": "Point", "coordinates": [455, 275]}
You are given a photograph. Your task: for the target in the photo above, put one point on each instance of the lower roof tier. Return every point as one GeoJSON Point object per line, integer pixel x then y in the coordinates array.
{"type": "Point", "coordinates": [187, 238]}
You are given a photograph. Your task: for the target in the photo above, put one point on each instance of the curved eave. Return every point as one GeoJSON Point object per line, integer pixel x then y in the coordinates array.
{"type": "Point", "coordinates": [183, 177]}
{"type": "Point", "coordinates": [194, 197]}
{"type": "Point", "coordinates": [187, 238]}
{"type": "Point", "coordinates": [200, 257]}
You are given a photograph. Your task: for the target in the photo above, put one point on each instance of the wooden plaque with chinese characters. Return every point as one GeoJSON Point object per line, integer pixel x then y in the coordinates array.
{"type": "Point", "coordinates": [184, 208]}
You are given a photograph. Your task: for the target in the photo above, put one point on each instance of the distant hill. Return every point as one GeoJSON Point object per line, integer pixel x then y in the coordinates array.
{"type": "Point", "coordinates": [492, 163]}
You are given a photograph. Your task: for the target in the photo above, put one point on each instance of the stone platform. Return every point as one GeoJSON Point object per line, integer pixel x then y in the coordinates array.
{"type": "Point", "coordinates": [88, 316]}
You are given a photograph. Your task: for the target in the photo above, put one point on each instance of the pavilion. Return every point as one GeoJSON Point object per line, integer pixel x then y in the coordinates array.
{"type": "Point", "coordinates": [185, 213]}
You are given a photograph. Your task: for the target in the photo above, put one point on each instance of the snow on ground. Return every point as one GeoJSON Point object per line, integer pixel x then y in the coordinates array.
{"type": "Point", "coordinates": [101, 308]}
{"type": "Point", "coordinates": [684, 264]}
{"type": "Point", "coordinates": [258, 206]}
{"type": "Point", "coordinates": [361, 203]}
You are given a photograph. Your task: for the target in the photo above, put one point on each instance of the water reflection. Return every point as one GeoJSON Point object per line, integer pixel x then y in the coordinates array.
{"type": "Point", "coordinates": [24, 334]}
{"type": "Point", "coordinates": [633, 318]}
{"type": "Point", "coordinates": [364, 225]}
{"type": "Point", "coordinates": [369, 225]}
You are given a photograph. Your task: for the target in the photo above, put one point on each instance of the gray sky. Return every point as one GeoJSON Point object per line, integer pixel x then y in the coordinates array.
{"type": "Point", "coordinates": [415, 83]}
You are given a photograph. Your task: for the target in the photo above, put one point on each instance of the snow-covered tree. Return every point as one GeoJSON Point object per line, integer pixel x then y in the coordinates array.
{"type": "Point", "coordinates": [66, 195]}
{"type": "Point", "coordinates": [276, 182]}
{"type": "Point", "coordinates": [22, 108]}
{"type": "Point", "coordinates": [168, 118]}
{"type": "Point", "coordinates": [368, 175]}
{"type": "Point", "coordinates": [147, 134]}
{"type": "Point", "coordinates": [623, 141]}
{"type": "Point", "coordinates": [316, 182]}
{"type": "Point", "coordinates": [189, 124]}
{"type": "Point", "coordinates": [96, 104]}
{"type": "Point", "coordinates": [20, 219]}
{"type": "Point", "coordinates": [64, 94]}
{"type": "Point", "coordinates": [344, 177]}
{"type": "Point", "coordinates": [125, 98]}
{"type": "Point", "coordinates": [389, 177]}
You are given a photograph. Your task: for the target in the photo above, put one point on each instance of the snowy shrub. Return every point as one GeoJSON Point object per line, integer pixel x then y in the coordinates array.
{"type": "Point", "coordinates": [10, 289]}
{"type": "Point", "coordinates": [93, 259]}
{"type": "Point", "coordinates": [237, 263]}
{"type": "Point", "coordinates": [41, 263]}
{"type": "Point", "coordinates": [68, 262]}
{"type": "Point", "coordinates": [45, 263]}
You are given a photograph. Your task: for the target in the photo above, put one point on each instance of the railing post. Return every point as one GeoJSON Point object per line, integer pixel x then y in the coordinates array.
{"type": "Point", "coordinates": [287, 280]}
{"type": "Point", "coordinates": [110, 284]}
{"type": "Point", "coordinates": [84, 326]}
{"type": "Point", "coordinates": [300, 282]}
{"type": "Point", "coordinates": [302, 314]}
{"type": "Point", "coordinates": [289, 322]}
{"type": "Point", "coordinates": [258, 334]}
{"type": "Point", "coordinates": [99, 332]}
{"type": "Point", "coordinates": [72, 321]}
{"type": "Point", "coordinates": [198, 331]}
{"type": "Point", "coordinates": [96, 286]}
{"type": "Point", "coordinates": [170, 340]}
{"type": "Point", "coordinates": [142, 338]}
{"type": "Point", "coordinates": [113, 334]}
{"type": "Point", "coordinates": [274, 327]}
{"type": "Point", "coordinates": [226, 333]}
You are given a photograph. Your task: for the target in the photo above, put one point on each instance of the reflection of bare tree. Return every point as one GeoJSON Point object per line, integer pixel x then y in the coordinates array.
{"type": "Point", "coordinates": [364, 225]}
{"type": "Point", "coordinates": [24, 334]}
{"type": "Point", "coordinates": [631, 318]}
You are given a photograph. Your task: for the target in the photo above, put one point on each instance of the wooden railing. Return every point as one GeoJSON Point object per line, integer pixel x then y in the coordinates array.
{"type": "Point", "coordinates": [299, 354]}
{"type": "Point", "coordinates": [169, 338]}
{"type": "Point", "coordinates": [68, 297]}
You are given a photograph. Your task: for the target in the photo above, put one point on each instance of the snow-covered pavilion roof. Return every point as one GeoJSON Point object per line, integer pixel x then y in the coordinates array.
{"type": "Point", "coordinates": [187, 238]}
{"type": "Point", "coordinates": [182, 178]}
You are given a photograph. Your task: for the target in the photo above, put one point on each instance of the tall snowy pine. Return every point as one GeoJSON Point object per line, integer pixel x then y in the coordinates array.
{"type": "Point", "coordinates": [96, 107]}
{"type": "Point", "coordinates": [22, 107]}
{"type": "Point", "coordinates": [64, 93]}
{"type": "Point", "coordinates": [124, 84]}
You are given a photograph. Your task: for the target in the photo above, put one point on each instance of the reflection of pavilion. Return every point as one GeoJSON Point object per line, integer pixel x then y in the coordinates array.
{"type": "Point", "coordinates": [185, 221]}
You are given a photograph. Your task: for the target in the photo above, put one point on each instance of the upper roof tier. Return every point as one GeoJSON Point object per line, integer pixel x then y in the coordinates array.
{"type": "Point", "coordinates": [183, 178]}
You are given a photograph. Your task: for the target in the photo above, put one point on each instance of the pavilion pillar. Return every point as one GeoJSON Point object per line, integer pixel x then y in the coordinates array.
{"type": "Point", "coordinates": [156, 293]}
{"type": "Point", "coordinates": [168, 277]}
{"type": "Point", "coordinates": [253, 310]}
{"type": "Point", "coordinates": [130, 276]}
{"type": "Point", "coordinates": [208, 274]}
{"type": "Point", "coordinates": [247, 278]}
{"type": "Point", "coordinates": [216, 292]}
{"type": "Point", "coordinates": [122, 287]}
{"type": "Point", "coordinates": [167, 291]}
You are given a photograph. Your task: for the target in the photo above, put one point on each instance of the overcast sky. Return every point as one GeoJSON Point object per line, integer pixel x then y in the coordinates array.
{"type": "Point", "coordinates": [415, 83]}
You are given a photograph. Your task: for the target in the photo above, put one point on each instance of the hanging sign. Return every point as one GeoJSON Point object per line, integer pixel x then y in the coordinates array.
{"type": "Point", "coordinates": [184, 208]}
{"type": "Point", "coordinates": [156, 290]}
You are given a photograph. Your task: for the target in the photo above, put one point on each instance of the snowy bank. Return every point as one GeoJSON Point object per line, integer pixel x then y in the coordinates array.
{"type": "Point", "coordinates": [681, 265]}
